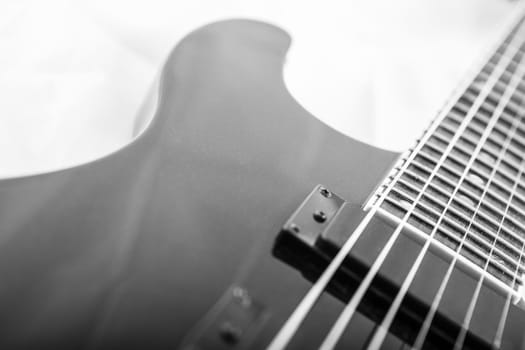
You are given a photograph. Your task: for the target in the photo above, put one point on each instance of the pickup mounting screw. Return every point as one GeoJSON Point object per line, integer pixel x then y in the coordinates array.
{"type": "Point", "coordinates": [295, 228]}
{"type": "Point", "coordinates": [320, 216]}
{"type": "Point", "coordinates": [325, 192]}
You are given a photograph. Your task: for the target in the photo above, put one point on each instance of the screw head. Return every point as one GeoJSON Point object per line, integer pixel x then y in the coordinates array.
{"type": "Point", "coordinates": [325, 192]}
{"type": "Point", "coordinates": [242, 297]}
{"type": "Point", "coordinates": [295, 228]}
{"type": "Point", "coordinates": [320, 216]}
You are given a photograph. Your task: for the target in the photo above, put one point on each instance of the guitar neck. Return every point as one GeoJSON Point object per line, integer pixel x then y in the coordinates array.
{"type": "Point", "coordinates": [463, 183]}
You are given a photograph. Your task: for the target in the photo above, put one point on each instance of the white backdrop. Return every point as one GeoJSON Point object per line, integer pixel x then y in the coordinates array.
{"type": "Point", "coordinates": [73, 73]}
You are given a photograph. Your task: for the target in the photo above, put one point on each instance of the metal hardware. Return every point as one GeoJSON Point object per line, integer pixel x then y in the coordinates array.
{"type": "Point", "coordinates": [320, 216]}
{"type": "Point", "coordinates": [325, 192]}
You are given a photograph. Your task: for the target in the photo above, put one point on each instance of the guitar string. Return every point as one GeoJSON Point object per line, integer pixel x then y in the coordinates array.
{"type": "Point", "coordinates": [496, 344]}
{"type": "Point", "coordinates": [426, 325]}
{"type": "Point", "coordinates": [501, 324]}
{"type": "Point", "coordinates": [297, 317]}
{"type": "Point", "coordinates": [437, 299]}
{"type": "Point", "coordinates": [381, 331]}
{"type": "Point", "coordinates": [345, 317]}
{"type": "Point", "coordinates": [468, 317]}
{"type": "Point", "coordinates": [294, 321]}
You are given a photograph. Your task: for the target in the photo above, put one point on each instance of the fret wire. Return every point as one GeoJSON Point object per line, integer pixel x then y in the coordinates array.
{"type": "Point", "coordinates": [468, 97]}
{"type": "Point", "coordinates": [495, 194]}
{"type": "Point", "coordinates": [502, 171]}
{"type": "Point", "coordinates": [512, 107]}
{"type": "Point", "coordinates": [499, 184]}
{"type": "Point", "coordinates": [459, 148]}
{"type": "Point", "coordinates": [459, 154]}
{"type": "Point", "coordinates": [507, 169]}
{"type": "Point", "coordinates": [449, 157]}
{"type": "Point", "coordinates": [474, 128]}
{"type": "Point", "coordinates": [461, 108]}
{"type": "Point", "coordinates": [458, 116]}
{"type": "Point", "coordinates": [505, 75]}
{"type": "Point", "coordinates": [467, 141]}
{"type": "Point", "coordinates": [443, 167]}
{"type": "Point", "coordinates": [492, 101]}
{"type": "Point", "coordinates": [451, 122]}
{"type": "Point", "coordinates": [480, 81]}
{"type": "Point", "coordinates": [445, 132]}
{"type": "Point", "coordinates": [472, 91]}
{"type": "Point", "coordinates": [477, 125]}
{"type": "Point", "coordinates": [508, 163]}
{"type": "Point", "coordinates": [448, 128]}
{"type": "Point", "coordinates": [484, 113]}
{"type": "Point", "coordinates": [507, 115]}
{"type": "Point", "coordinates": [464, 103]}
{"type": "Point", "coordinates": [502, 174]}
{"type": "Point", "coordinates": [440, 138]}
{"type": "Point", "coordinates": [432, 151]}
{"type": "Point", "coordinates": [520, 91]}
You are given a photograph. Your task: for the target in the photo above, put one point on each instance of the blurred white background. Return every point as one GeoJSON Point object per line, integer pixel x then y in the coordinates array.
{"type": "Point", "coordinates": [74, 73]}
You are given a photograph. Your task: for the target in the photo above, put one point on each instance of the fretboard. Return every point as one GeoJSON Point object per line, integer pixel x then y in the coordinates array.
{"type": "Point", "coordinates": [463, 183]}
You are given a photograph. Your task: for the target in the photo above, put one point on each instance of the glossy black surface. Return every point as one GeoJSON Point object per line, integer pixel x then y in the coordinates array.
{"type": "Point", "coordinates": [133, 250]}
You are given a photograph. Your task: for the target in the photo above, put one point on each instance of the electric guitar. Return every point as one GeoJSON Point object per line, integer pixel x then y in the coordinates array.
{"type": "Point", "coordinates": [237, 220]}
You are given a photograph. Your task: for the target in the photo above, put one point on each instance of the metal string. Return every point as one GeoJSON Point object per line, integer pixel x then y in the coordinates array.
{"type": "Point", "coordinates": [345, 317]}
{"type": "Point", "coordinates": [424, 330]}
{"type": "Point", "coordinates": [468, 316]}
{"type": "Point", "coordinates": [470, 310]}
{"type": "Point", "coordinates": [496, 344]}
{"type": "Point", "coordinates": [501, 324]}
{"type": "Point", "coordinates": [285, 334]}
{"type": "Point", "coordinates": [295, 320]}
{"type": "Point", "coordinates": [388, 319]}
{"type": "Point", "coordinates": [292, 324]}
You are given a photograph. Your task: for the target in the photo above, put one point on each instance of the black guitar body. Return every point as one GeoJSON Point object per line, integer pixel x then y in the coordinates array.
{"type": "Point", "coordinates": [175, 240]}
